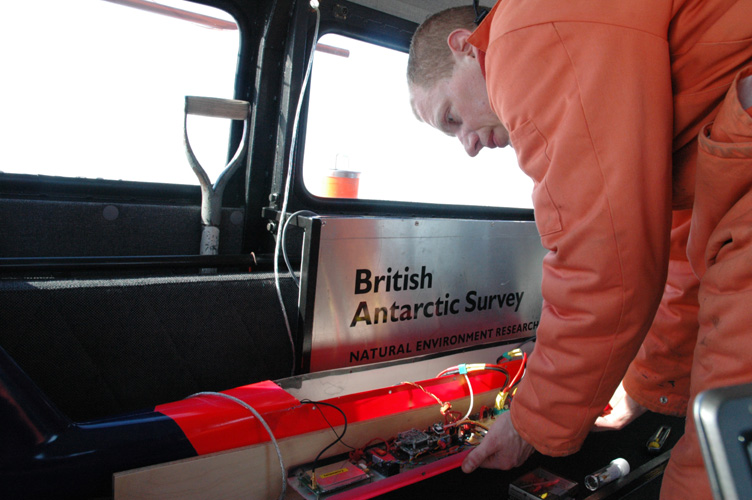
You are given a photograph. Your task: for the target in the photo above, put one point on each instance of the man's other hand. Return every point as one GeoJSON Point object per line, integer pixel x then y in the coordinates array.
{"type": "Point", "coordinates": [624, 411]}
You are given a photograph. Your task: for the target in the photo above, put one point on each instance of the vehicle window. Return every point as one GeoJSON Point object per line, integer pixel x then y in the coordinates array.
{"type": "Point", "coordinates": [96, 88]}
{"type": "Point", "coordinates": [360, 121]}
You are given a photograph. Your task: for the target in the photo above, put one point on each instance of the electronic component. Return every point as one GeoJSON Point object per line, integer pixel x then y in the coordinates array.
{"type": "Point", "coordinates": [388, 460]}
{"type": "Point", "coordinates": [542, 484]}
{"type": "Point", "coordinates": [387, 469]}
{"type": "Point", "coordinates": [333, 477]}
{"type": "Point", "coordinates": [613, 471]}
{"type": "Point", "coordinates": [657, 440]}
{"type": "Point", "coordinates": [414, 442]}
{"type": "Point", "coordinates": [384, 462]}
{"type": "Point", "coordinates": [380, 456]}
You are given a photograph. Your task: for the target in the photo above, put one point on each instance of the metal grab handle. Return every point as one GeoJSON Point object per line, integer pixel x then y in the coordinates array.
{"type": "Point", "coordinates": [211, 195]}
{"type": "Point", "coordinates": [216, 107]}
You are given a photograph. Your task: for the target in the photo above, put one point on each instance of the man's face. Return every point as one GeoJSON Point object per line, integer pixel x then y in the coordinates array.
{"type": "Point", "coordinates": [459, 107]}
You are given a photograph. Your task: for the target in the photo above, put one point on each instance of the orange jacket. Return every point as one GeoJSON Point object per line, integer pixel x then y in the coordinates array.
{"type": "Point", "coordinates": [720, 251]}
{"type": "Point", "coordinates": [603, 100]}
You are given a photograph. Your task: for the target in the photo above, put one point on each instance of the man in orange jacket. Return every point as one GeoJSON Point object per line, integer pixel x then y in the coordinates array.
{"type": "Point", "coordinates": [604, 103]}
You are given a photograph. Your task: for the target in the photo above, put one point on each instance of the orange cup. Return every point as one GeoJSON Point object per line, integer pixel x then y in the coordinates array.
{"type": "Point", "coordinates": [341, 184]}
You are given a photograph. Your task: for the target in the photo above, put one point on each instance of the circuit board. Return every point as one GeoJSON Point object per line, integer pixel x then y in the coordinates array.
{"type": "Point", "coordinates": [383, 465]}
{"type": "Point", "coordinates": [411, 456]}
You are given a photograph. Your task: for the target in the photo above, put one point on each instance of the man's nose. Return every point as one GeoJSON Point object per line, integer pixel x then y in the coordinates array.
{"type": "Point", "coordinates": [470, 141]}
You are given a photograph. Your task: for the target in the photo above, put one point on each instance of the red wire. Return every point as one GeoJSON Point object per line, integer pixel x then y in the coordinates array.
{"type": "Point", "coordinates": [376, 439]}
{"type": "Point", "coordinates": [518, 376]}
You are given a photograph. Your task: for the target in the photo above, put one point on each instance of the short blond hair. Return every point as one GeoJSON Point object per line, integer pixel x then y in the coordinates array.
{"type": "Point", "coordinates": [430, 59]}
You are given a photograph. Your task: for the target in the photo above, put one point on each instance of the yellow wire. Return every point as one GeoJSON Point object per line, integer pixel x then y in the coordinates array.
{"type": "Point", "coordinates": [445, 407]}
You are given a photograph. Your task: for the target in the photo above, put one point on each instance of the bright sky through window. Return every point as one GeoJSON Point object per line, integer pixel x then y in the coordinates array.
{"type": "Point", "coordinates": [359, 109]}
{"type": "Point", "coordinates": [95, 89]}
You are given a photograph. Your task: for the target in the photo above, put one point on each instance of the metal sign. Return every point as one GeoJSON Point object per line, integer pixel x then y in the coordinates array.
{"type": "Point", "coordinates": [378, 289]}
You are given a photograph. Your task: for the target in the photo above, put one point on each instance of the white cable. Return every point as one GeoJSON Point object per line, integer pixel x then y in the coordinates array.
{"type": "Point", "coordinates": [288, 183]}
{"type": "Point", "coordinates": [284, 249]}
{"type": "Point", "coordinates": [470, 408]}
{"type": "Point", "coordinates": [263, 422]}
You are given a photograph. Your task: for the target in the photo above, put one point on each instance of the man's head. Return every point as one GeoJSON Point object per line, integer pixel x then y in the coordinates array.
{"type": "Point", "coordinates": [447, 87]}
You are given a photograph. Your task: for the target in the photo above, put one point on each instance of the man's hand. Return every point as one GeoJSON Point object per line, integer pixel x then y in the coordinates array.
{"type": "Point", "coordinates": [502, 448]}
{"type": "Point", "coordinates": [625, 410]}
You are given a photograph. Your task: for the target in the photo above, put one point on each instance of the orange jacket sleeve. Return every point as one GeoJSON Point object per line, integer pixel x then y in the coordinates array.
{"type": "Point", "coordinates": [658, 377]}
{"type": "Point", "coordinates": [585, 91]}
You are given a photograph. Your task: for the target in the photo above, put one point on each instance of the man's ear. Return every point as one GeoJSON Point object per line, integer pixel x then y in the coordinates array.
{"type": "Point", "coordinates": [458, 44]}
